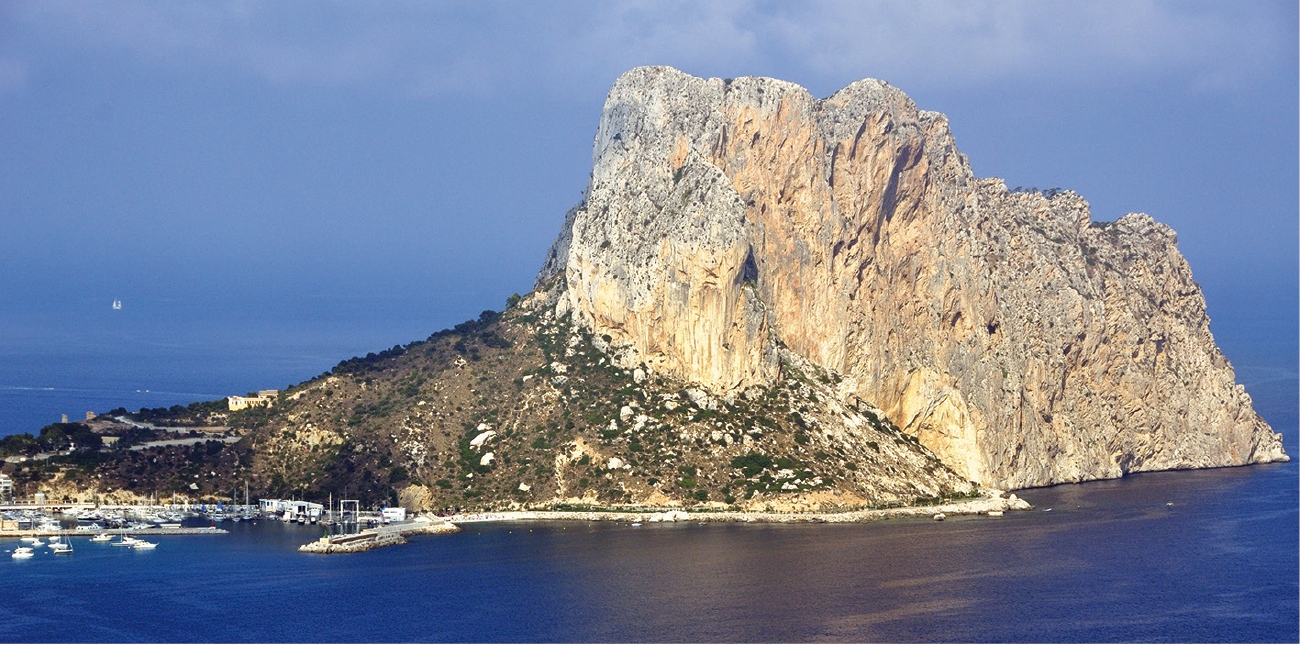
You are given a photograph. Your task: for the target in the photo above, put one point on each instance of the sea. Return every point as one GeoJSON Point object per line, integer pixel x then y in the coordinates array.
{"type": "Point", "coordinates": [1190, 556]}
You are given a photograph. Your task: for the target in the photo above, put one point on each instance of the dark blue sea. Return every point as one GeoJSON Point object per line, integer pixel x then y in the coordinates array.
{"type": "Point", "coordinates": [1165, 557]}
{"type": "Point", "coordinates": [1112, 561]}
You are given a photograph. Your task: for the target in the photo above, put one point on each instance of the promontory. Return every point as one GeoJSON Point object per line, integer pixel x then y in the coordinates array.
{"type": "Point", "coordinates": [769, 301]}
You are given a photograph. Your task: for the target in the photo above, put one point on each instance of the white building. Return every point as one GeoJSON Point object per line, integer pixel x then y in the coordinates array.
{"type": "Point", "coordinates": [391, 514]}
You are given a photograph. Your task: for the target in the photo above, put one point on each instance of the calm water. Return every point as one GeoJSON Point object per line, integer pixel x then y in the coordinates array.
{"type": "Point", "coordinates": [1110, 562]}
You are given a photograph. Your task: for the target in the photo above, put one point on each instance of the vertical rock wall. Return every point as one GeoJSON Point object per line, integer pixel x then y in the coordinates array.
{"type": "Point", "coordinates": [1022, 343]}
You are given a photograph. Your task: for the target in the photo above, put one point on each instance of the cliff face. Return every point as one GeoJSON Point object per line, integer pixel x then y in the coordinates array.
{"type": "Point", "coordinates": [1020, 342]}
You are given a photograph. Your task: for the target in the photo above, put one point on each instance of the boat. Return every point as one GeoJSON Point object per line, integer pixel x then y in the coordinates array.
{"type": "Point", "coordinates": [38, 543]}
{"type": "Point", "coordinates": [102, 537]}
{"type": "Point", "coordinates": [23, 552]}
{"type": "Point", "coordinates": [141, 544]}
{"type": "Point", "coordinates": [939, 517]}
{"type": "Point", "coordinates": [62, 548]}
{"type": "Point", "coordinates": [29, 539]}
{"type": "Point", "coordinates": [125, 541]}
{"type": "Point", "coordinates": [169, 525]}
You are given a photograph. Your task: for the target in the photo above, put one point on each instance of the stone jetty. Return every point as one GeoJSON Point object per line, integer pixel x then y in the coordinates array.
{"type": "Point", "coordinates": [378, 537]}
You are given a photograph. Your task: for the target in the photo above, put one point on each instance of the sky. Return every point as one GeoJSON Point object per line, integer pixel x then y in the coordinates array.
{"type": "Point", "coordinates": [305, 181]}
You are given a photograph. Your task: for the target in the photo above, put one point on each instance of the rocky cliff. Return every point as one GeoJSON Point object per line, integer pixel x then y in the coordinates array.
{"type": "Point", "coordinates": [729, 220]}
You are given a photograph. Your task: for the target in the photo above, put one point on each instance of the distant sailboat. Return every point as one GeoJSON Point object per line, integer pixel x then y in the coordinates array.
{"type": "Point", "coordinates": [117, 304]}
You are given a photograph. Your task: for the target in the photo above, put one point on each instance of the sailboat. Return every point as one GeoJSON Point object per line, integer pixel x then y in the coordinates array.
{"type": "Point", "coordinates": [117, 304]}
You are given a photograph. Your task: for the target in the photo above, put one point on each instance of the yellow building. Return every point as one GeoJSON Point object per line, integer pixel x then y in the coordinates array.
{"type": "Point", "coordinates": [264, 397]}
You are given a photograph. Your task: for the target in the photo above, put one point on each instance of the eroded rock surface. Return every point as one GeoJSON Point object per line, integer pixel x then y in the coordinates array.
{"type": "Point", "coordinates": [1021, 342]}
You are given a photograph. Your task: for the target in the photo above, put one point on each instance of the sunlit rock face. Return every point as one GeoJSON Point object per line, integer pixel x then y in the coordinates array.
{"type": "Point", "coordinates": [1021, 342]}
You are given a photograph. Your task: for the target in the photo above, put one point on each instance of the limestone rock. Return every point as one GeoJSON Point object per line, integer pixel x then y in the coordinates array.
{"type": "Point", "coordinates": [1021, 342]}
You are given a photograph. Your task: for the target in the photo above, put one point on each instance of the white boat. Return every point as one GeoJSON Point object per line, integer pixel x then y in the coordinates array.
{"type": "Point", "coordinates": [102, 537]}
{"type": "Point", "coordinates": [939, 517]}
{"type": "Point", "coordinates": [62, 548]}
{"type": "Point", "coordinates": [169, 525]}
{"type": "Point", "coordinates": [38, 543]}
{"type": "Point", "coordinates": [141, 544]}
{"type": "Point", "coordinates": [30, 539]}
{"type": "Point", "coordinates": [125, 541]}
{"type": "Point", "coordinates": [23, 552]}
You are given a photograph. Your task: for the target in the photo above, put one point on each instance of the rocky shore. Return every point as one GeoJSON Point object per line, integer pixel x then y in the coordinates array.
{"type": "Point", "coordinates": [979, 506]}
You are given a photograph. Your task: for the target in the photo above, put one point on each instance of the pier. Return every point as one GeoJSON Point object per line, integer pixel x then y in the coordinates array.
{"type": "Point", "coordinates": [183, 530]}
{"type": "Point", "coordinates": [388, 535]}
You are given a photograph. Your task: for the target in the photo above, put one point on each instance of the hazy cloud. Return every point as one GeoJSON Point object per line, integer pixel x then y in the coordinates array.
{"type": "Point", "coordinates": [428, 49]}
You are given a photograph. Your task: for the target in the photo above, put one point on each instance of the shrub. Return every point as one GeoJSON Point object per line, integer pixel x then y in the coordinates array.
{"type": "Point", "coordinates": [752, 464]}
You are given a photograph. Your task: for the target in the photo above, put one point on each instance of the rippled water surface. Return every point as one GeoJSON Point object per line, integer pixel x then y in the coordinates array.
{"type": "Point", "coordinates": [1111, 561]}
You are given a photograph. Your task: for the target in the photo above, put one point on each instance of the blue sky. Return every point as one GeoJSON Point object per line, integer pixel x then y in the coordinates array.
{"type": "Point", "coordinates": [367, 173]}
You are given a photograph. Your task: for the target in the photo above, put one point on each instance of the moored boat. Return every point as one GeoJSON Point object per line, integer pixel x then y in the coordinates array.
{"type": "Point", "coordinates": [102, 537]}
{"type": "Point", "coordinates": [23, 552]}
{"type": "Point", "coordinates": [141, 544]}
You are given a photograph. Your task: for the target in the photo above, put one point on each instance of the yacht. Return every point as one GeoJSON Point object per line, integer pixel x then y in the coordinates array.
{"type": "Point", "coordinates": [102, 537]}
{"type": "Point", "coordinates": [125, 541]}
{"type": "Point", "coordinates": [62, 548]}
{"type": "Point", "coordinates": [23, 552]}
{"type": "Point", "coordinates": [141, 544]}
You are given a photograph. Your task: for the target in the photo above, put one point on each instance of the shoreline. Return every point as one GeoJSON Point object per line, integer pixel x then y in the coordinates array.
{"type": "Point", "coordinates": [978, 506]}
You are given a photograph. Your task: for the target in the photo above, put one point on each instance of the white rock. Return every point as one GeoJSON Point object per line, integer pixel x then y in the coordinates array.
{"type": "Point", "coordinates": [638, 375]}
{"type": "Point", "coordinates": [487, 459]}
{"type": "Point", "coordinates": [477, 442]}
{"type": "Point", "coordinates": [615, 463]}
{"type": "Point", "coordinates": [524, 487]}
{"type": "Point", "coordinates": [625, 414]}
{"type": "Point", "coordinates": [700, 398]}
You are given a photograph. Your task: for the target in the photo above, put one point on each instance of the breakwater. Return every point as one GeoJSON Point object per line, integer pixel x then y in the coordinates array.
{"type": "Point", "coordinates": [377, 537]}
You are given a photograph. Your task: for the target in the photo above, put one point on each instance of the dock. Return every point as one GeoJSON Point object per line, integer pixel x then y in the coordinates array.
{"type": "Point", "coordinates": [184, 530]}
